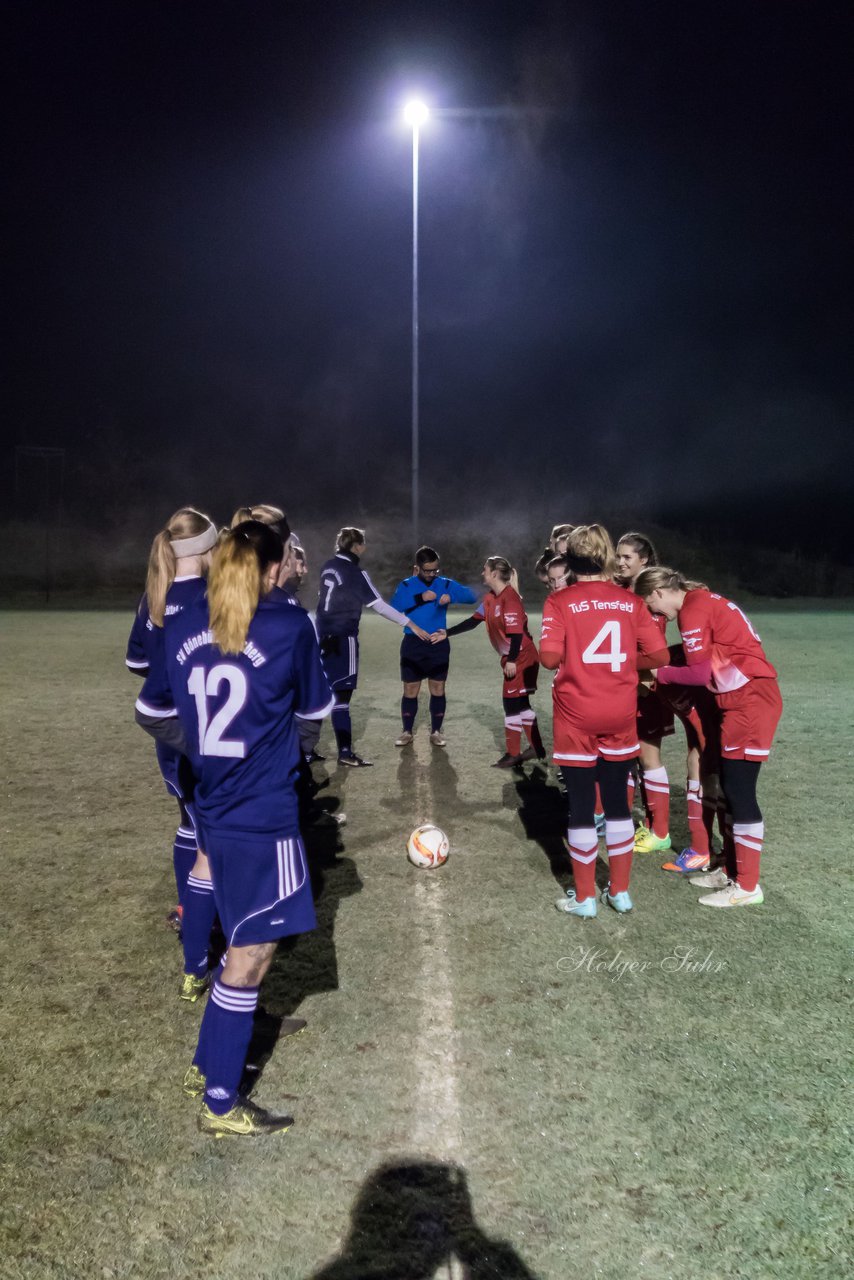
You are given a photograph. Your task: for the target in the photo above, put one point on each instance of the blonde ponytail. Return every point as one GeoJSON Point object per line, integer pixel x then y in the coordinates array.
{"type": "Point", "coordinates": [265, 513]}
{"type": "Point", "coordinates": [502, 566]}
{"type": "Point", "coordinates": [185, 523]}
{"type": "Point", "coordinates": [235, 581]}
{"type": "Point", "coordinates": [591, 542]}
{"type": "Point", "coordinates": [661, 578]}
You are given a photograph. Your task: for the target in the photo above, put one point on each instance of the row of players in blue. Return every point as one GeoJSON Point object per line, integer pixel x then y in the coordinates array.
{"type": "Point", "coordinates": [234, 682]}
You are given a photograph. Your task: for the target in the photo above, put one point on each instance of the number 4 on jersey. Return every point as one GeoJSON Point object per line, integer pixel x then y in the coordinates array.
{"type": "Point", "coordinates": [605, 647]}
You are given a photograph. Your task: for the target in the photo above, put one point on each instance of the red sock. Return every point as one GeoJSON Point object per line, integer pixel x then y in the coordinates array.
{"type": "Point", "coordinates": [748, 837]}
{"type": "Point", "coordinates": [620, 839]}
{"type": "Point", "coordinates": [630, 792]}
{"type": "Point", "coordinates": [657, 792]}
{"type": "Point", "coordinates": [513, 735]}
{"type": "Point", "coordinates": [698, 835]}
{"type": "Point", "coordinates": [600, 808]}
{"type": "Point", "coordinates": [583, 847]}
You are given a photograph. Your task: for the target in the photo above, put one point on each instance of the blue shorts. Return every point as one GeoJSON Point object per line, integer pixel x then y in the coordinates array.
{"type": "Point", "coordinates": [261, 884]}
{"type": "Point", "coordinates": [420, 660]}
{"type": "Point", "coordinates": [340, 658]}
{"type": "Point", "coordinates": [178, 775]}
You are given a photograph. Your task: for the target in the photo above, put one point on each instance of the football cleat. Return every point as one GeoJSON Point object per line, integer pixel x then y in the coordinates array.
{"type": "Point", "coordinates": [194, 1082]}
{"type": "Point", "coordinates": [314, 757]}
{"type": "Point", "coordinates": [245, 1119]}
{"type": "Point", "coordinates": [599, 823]}
{"type": "Point", "coordinates": [192, 986]}
{"type": "Point", "coordinates": [292, 1027]}
{"type": "Point", "coordinates": [571, 906]}
{"type": "Point", "coordinates": [324, 818]}
{"type": "Point", "coordinates": [438, 739]}
{"type": "Point", "coordinates": [717, 879]}
{"type": "Point", "coordinates": [352, 761]}
{"type": "Point", "coordinates": [733, 896]}
{"type": "Point", "coordinates": [647, 841]}
{"type": "Point", "coordinates": [507, 761]}
{"type": "Point", "coordinates": [404, 739]}
{"type": "Point", "coordinates": [531, 753]}
{"type": "Point", "coordinates": [619, 901]}
{"type": "Point", "coordinates": [173, 919]}
{"type": "Point", "coordinates": [687, 862]}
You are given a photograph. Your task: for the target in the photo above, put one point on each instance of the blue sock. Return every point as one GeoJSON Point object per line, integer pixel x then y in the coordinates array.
{"type": "Point", "coordinates": [196, 924]}
{"type": "Point", "coordinates": [183, 857]}
{"type": "Point", "coordinates": [408, 712]}
{"type": "Point", "coordinates": [341, 725]}
{"type": "Point", "coordinates": [231, 1011]}
{"type": "Point", "coordinates": [438, 703]}
{"type": "Point", "coordinates": [200, 1058]}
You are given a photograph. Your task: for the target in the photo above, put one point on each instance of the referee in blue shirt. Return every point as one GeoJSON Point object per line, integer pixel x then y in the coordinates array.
{"type": "Point", "coordinates": [424, 598]}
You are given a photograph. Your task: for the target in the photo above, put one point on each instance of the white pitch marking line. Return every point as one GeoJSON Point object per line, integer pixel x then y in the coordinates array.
{"type": "Point", "coordinates": [438, 1128]}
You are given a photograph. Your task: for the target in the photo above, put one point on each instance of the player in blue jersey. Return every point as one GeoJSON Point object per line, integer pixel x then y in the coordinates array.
{"type": "Point", "coordinates": [293, 570]}
{"type": "Point", "coordinates": [346, 589]}
{"type": "Point", "coordinates": [241, 665]}
{"type": "Point", "coordinates": [291, 581]}
{"type": "Point", "coordinates": [424, 598]}
{"type": "Point", "coordinates": [179, 558]}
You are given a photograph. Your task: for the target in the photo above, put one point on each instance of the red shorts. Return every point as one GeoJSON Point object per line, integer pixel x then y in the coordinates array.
{"type": "Point", "coordinates": [655, 716]}
{"type": "Point", "coordinates": [749, 716]}
{"type": "Point", "coordinates": [524, 681]}
{"type": "Point", "coordinates": [580, 749]}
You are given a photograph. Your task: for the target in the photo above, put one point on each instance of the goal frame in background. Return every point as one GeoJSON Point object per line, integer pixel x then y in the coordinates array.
{"type": "Point", "coordinates": [53, 479]}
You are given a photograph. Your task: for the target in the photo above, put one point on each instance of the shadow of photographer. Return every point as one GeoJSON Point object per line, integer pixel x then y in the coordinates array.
{"type": "Point", "coordinates": [413, 1217]}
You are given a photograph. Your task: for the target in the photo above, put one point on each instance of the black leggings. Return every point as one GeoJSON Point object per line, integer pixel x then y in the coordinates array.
{"type": "Point", "coordinates": [613, 778]}
{"type": "Point", "coordinates": [738, 783]}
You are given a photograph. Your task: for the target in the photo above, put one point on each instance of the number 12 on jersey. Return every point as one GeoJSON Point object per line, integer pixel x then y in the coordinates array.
{"type": "Point", "coordinates": [605, 647]}
{"type": "Point", "coordinates": [212, 740]}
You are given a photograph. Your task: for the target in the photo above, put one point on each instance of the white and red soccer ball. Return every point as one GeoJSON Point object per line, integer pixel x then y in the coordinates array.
{"type": "Point", "coordinates": [428, 846]}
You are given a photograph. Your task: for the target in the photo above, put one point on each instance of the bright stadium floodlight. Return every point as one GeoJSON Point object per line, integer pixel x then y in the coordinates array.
{"type": "Point", "coordinates": [415, 113]}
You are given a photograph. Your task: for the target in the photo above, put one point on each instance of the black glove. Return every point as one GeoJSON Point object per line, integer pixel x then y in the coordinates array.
{"type": "Point", "coordinates": [330, 645]}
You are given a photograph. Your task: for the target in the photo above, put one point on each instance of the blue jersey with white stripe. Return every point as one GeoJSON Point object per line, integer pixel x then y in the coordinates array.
{"type": "Point", "coordinates": [136, 658]}
{"type": "Point", "coordinates": [345, 589]}
{"type": "Point", "coordinates": [154, 694]}
{"type": "Point", "coordinates": [431, 616]}
{"type": "Point", "coordinates": [238, 710]}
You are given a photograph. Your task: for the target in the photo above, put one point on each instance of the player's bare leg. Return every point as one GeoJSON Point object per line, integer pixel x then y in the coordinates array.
{"type": "Point", "coordinates": [227, 1030]}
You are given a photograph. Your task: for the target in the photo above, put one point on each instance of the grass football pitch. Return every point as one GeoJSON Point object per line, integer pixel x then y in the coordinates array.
{"type": "Point", "coordinates": [486, 1087]}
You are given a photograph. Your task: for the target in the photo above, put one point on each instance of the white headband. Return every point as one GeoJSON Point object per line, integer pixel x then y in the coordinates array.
{"type": "Point", "coordinates": [195, 546]}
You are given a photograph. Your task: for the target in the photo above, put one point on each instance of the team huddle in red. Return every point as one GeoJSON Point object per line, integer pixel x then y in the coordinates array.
{"type": "Point", "coordinates": [616, 692]}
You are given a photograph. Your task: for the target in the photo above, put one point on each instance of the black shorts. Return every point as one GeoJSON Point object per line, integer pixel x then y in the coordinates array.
{"type": "Point", "coordinates": [420, 660]}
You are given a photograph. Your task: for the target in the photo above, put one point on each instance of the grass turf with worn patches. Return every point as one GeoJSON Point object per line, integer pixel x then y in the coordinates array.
{"type": "Point", "coordinates": [481, 1076]}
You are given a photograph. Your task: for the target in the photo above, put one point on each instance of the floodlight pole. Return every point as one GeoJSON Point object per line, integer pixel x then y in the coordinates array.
{"type": "Point", "coordinates": [415, 422]}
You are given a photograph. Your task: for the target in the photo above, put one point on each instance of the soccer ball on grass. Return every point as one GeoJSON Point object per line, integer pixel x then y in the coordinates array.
{"type": "Point", "coordinates": [427, 846]}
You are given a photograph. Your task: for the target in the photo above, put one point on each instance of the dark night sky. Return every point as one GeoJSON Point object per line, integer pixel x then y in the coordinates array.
{"type": "Point", "coordinates": [636, 264]}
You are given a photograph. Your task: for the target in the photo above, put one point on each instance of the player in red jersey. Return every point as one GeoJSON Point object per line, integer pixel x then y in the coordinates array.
{"type": "Point", "coordinates": [593, 634]}
{"type": "Point", "coordinates": [724, 653]}
{"type": "Point", "coordinates": [507, 627]}
{"type": "Point", "coordinates": [657, 711]}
